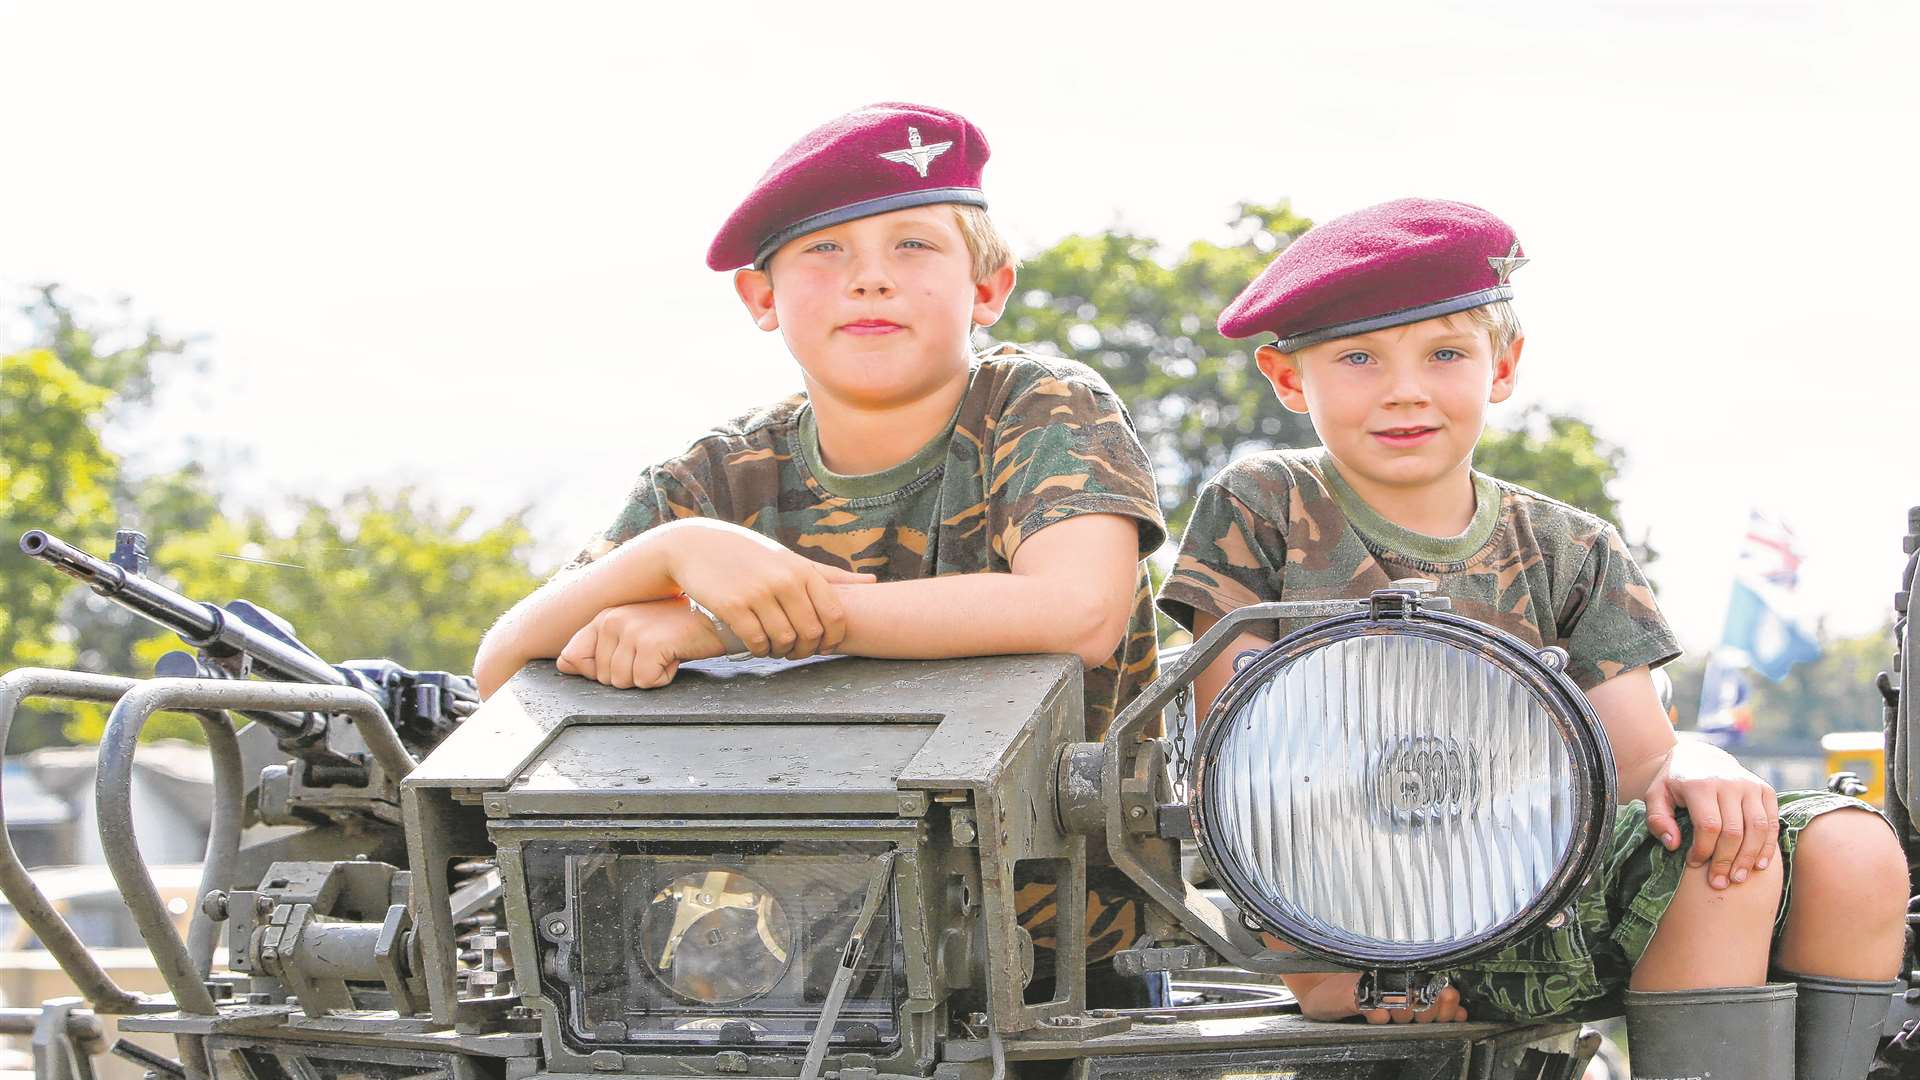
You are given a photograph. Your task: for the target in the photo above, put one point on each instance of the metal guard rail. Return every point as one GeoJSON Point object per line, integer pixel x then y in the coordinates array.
{"type": "Point", "coordinates": [180, 964]}
{"type": "Point", "coordinates": [105, 995]}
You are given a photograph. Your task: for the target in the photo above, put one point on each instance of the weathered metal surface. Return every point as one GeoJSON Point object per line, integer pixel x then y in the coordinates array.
{"type": "Point", "coordinates": [499, 741]}
{"type": "Point", "coordinates": [694, 768]}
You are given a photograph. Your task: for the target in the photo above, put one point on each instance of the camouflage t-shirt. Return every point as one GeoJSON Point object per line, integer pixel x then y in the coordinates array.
{"type": "Point", "coordinates": [1034, 441]}
{"type": "Point", "coordinates": [1284, 525]}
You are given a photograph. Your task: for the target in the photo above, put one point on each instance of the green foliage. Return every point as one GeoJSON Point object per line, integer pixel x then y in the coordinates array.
{"type": "Point", "coordinates": [1555, 454]}
{"type": "Point", "coordinates": [1117, 302]}
{"type": "Point", "coordinates": [1109, 301]}
{"type": "Point", "coordinates": [105, 367]}
{"type": "Point", "coordinates": [56, 475]}
{"type": "Point", "coordinates": [379, 575]}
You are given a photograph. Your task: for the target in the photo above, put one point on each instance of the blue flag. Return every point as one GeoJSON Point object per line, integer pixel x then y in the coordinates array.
{"type": "Point", "coordinates": [1726, 710]}
{"type": "Point", "coordinates": [1772, 640]}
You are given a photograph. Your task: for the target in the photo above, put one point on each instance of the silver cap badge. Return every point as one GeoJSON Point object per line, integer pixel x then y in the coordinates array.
{"type": "Point", "coordinates": [1504, 266]}
{"type": "Point", "coordinates": [920, 156]}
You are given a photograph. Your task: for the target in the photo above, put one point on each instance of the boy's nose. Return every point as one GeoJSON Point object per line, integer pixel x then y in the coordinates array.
{"type": "Point", "coordinates": [1408, 390]}
{"type": "Point", "coordinates": [869, 278]}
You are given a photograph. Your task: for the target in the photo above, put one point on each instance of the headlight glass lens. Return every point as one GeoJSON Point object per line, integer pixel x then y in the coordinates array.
{"type": "Point", "coordinates": [716, 937]}
{"type": "Point", "coordinates": [710, 942]}
{"type": "Point", "coordinates": [1390, 791]}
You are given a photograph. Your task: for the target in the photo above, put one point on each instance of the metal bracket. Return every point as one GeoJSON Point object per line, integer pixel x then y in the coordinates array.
{"type": "Point", "coordinates": [1174, 822]}
{"type": "Point", "coordinates": [1414, 990]}
{"type": "Point", "coordinates": [60, 1052]}
{"type": "Point", "coordinates": [393, 957]}
{"type": "Point", "coordinates": [1404, 597]}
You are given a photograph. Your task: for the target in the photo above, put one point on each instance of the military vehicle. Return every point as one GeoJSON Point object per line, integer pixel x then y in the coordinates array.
{"type": "Point", "coordinates": [807, 869]}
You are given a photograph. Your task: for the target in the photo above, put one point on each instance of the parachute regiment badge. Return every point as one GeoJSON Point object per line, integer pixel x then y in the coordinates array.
{"type": "Point", "coordinates": [915, 154]}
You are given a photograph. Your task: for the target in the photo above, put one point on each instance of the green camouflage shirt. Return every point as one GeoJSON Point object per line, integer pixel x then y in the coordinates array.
{"type": "Point", "coordinates": [1284, 525]}
{"type": "Point", "coordinates": [1035, 441]}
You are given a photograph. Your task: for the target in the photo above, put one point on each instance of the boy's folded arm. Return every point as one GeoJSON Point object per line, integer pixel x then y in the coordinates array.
{"type": "Point", "coordinates": [540, 625]}
{"type": "Point", "coordinates": [1071, 590]}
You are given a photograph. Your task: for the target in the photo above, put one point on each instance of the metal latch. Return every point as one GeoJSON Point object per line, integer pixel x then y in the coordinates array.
{"type": "Point", "coordinates": [1404, 597]}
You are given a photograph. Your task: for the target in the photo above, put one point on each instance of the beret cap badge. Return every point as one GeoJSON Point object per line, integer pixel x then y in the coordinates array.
{"type": "Point", "coordinates": [1504, 266]}
{"type": "Point", "coordinates": [915, 154]}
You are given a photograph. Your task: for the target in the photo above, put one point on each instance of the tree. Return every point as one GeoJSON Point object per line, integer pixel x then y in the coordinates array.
{"type": "Point", "coordinates": [379, 574]}
{"type": "Point", "coordinates": [89, 368]}
{"type": "Point", "coordinates": [56, 475]}
{"type": "Point", "coordinates": [1145, 319]}
{"type": "Point", "coordinates": [1148, 326]}
{"type": "Point", "coordinates": [1560, 455]}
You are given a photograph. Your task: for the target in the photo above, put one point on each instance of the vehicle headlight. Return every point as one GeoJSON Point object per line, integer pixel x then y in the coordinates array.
{"type": "Point", "coordinates": [1412, 789]}
{"type": "Point", "coordinates": [647, 941]}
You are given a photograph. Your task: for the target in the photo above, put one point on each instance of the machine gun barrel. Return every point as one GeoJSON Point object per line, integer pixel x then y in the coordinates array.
{"type": "Point", "coordinates": [201, 625]}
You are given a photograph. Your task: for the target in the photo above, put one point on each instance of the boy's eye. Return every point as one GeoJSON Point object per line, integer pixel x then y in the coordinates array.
{"type": "Point", "coordinates": [1354, 359]}
{"type": "Point", "coordinates": [824, 245]}
{"type": "Point", "coordinates": [1447, 355]}
{"type": "Point", "coordinates": [920, 245]}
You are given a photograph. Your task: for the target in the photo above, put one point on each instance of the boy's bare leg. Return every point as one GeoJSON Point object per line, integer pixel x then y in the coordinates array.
{"type": "Point", "coordinates": [1713, 937]}
{"type": "Point", "coordinates": [1849, 902]}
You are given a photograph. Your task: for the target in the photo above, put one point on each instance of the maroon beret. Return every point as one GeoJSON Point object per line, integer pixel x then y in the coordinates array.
{"type": "Point", "coordinates": [1388, 265]}
{"type": "Point", "coordinates": [884, 157]}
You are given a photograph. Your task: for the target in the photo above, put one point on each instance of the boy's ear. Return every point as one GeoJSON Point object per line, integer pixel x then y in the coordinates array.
{"type": "Point", "coordinates": [1284, 374]}
{"type": "Point", "coordinates": [990, 296]}
{"type": "Point", "coordinates": [1506, 372]}
{"type": "Point", "coordinates": [756, 292]}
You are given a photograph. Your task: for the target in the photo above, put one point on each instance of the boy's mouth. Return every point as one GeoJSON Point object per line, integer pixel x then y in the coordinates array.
{"type": "Point", "coordinates": [871, 326]}
{"type": "Point", "coordinates": [1412, 435]}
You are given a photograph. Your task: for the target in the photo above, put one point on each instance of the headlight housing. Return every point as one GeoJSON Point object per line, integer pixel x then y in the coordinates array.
{"type": "Point", "coordinates": [1401, 788]}
{"type": "Point", "coordinates": [699, 942]}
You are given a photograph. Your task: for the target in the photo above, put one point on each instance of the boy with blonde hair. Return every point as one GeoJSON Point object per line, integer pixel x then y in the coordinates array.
{"type": "Point", "coordinates": [916, 502]}
{"type": "Point", "coordinates": [1394, 332]}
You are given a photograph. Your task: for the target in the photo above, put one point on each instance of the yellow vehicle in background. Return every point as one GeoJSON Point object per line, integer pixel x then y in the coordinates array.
{"type": "Point", "coordinates": [1861, 755]}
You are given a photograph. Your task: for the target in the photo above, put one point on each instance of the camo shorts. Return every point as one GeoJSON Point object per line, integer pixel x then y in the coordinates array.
{"type": "Point", "coordinates": [1580, 969]}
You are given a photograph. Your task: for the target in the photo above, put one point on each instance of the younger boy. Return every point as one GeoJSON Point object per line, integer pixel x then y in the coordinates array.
{"type": "Point", "coordinates": [916, 501]}
{"type": "Point", "coordinates": [1394, 334]}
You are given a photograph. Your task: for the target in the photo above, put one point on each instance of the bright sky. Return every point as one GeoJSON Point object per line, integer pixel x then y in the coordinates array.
{"type": "Point", "coordinates": [461, 245]}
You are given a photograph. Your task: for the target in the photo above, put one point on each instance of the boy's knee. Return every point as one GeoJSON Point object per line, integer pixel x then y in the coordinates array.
{"type": "Point", "coordinates": [1756, 900]}
{"type": "Point", "coordinates": [1851, 857]}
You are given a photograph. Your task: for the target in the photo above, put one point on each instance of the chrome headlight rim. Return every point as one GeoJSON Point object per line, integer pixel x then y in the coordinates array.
{"type": "Point", "coordinates": [1593, 795]}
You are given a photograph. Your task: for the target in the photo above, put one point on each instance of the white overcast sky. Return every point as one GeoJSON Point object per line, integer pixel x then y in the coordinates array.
{"type": "Point", "coordinates": [460, 245]}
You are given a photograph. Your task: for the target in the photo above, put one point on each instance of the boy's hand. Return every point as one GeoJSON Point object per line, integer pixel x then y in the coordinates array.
{"type": "Point", "coordinates": [778, 602]}
{"type": "Point", "coordinates": [640, 644]}
{"type": "Point", "coordinates": [1735, 813]}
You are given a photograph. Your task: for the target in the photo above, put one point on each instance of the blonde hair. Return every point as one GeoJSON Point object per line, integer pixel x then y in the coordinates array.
{"type": "Point", "coordinates": [989, 249]}
{"type": "Point", "coordinates": [1500, 322]}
